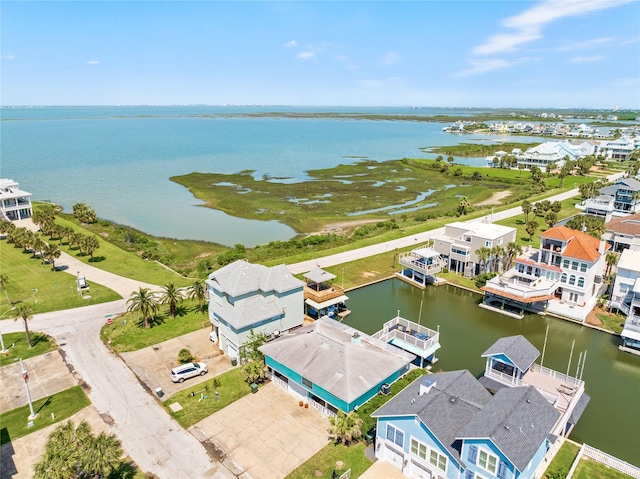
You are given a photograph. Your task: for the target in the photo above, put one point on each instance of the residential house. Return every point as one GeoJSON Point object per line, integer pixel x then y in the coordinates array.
{"type": "Point", "coordinates": [322, 297]}
{"type": "Point", "coordinates": [420, 266]}
{"type": "Point", "coordinates": [625, 297]}
{"type": "Point", "coordinates": [447, 425]}
{"type": "Point", "coordinates": [333, 366]}
{"type": "Point", "coordinates": [623, 233]}
{"type": "Point", "coordinates": [461, 240]}
{"type": "Point", "coordinates": [244, 297]}
{"type": "Point", "coordinates": [563, 277]}
{"type": "Point", "coordinates": [620, 199]}
{"type": "Point", "coordinates": [15, 204]}
{"type": "Point", "coordinates": [554, 152]}
{"type": "Point", "coordinates": [618, 149]}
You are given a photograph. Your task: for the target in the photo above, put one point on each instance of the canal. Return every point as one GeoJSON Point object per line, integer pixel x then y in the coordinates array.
{"type": "Point", "coordinates": [611, 421]}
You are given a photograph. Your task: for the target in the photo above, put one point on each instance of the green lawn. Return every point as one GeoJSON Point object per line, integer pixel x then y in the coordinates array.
{"type": "Point", "coordinates": [116, 260]}
{"type": "Point", "coordinates": [63, 405]}
{"type": "Point", "coordinates": [325, 460]}
{"type": "Point", "coordinates": [32, 282]}
{"type": "Point", "coordinates": [203, 403]}
{"type": "Point", "coordinates": [612, 322]}
{"type": "Point", "coordinates": [16, 343]}
{"type": "Point", "coordinates": [127, 334]}
{"type": "Point", "coordinates": [590, 469]}
{"type": "Point", "coordinates": [562, 460]}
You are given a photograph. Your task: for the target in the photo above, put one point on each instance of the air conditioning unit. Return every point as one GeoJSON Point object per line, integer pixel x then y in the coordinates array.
{"type": "Point", "coordinates": [597, 279]}
{"type": "Point", "coordinates": [385, 389]}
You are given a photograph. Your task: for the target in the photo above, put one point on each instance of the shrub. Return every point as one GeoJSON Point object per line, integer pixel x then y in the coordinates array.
{"type": "Point", "coordinates": [185, 356]}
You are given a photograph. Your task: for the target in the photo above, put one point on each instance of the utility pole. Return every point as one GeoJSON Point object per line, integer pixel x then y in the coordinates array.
{"type": "Point", "coordinates": [25, 377]}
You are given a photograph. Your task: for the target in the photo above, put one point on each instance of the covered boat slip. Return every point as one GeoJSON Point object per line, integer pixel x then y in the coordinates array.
{"type": "Point", "coordinates": [412, 337]}
{"type": "Point", "coordinates": [322, 297]}
{"type": "Point", "coordinates": [420, 266]}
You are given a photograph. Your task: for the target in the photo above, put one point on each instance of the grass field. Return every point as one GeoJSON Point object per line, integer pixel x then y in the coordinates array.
{"type": "Point", "coordinates": [203, 403]}
{"type": "Point", "coordinates": [352, 457]}
{"type": "Point", "coordinates": [63, 405]}
{"type": "Point", "coordinates": [127, 334]}
{"type": "Point", "coordinates": [18, 348]}
{"type": "Point", "coordinates": [590, 469]}
{"type": "Point", "coordinates": [45, 290]}
{"type": "Point", "coordinates": [563, 459]}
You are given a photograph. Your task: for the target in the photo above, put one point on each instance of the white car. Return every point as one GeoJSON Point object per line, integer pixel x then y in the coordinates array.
{"type": "Point", "coordinates": [189, 370]}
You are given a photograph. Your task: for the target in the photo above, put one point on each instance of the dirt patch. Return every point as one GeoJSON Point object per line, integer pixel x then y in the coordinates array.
{"type": "Point", "coordinates": [343, 226]}
{"type": "Point", "coordinates": [370, 274]}
{"type": "Point", "coordinates": [495, 199]}
{"type": "Point", "coordinates": [592, 318]}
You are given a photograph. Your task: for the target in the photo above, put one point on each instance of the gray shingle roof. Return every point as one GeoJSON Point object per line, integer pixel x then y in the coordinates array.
{"type": "Point", "coordinates": [453, 401]}
{"type": "Point", "coordinates": [250, 311]}
{"type": "Point", "coordinates": [318, 275]}
{"type": "Point", "coordinates": [241, 278]}
{"type": "Point", "coordinates": [323, 352]}
{"type": "Point", "coordinates": [520, 351]}
{"type": "Point", "coordinates": [517, 420]}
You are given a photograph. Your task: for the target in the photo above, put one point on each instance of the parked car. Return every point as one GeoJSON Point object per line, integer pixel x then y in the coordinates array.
{"type": "Point", "coordinates": [186, 371]}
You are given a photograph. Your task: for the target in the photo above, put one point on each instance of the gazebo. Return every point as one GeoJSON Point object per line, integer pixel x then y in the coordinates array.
{"type": "Point", "coordinates": [322, 297]}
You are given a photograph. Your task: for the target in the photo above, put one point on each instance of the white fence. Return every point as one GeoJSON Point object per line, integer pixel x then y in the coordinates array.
{"type": "Point", "coordinates": [606, 459]}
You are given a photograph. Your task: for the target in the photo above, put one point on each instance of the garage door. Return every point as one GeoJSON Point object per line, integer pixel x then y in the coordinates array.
{"type": "Point", "coordinates": [394, 457]}
{"type": "Point", "coordinates": [297, 389]}
{"type": "Point", "coordinates": [418, 471]}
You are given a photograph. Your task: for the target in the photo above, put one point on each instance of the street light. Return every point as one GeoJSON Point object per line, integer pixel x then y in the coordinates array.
{"type": "Point", "coordinates": [25, 377]}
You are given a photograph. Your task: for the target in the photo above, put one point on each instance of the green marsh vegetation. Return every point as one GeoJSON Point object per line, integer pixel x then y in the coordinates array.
{"type": "Point", "coordinates": [471, 150]}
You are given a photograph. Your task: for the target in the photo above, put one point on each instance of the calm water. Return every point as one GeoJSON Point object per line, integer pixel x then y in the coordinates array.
{"type": "Point", "coordinates": [611, 421]}
{"type": "Point", "coordinates": [119, 159]}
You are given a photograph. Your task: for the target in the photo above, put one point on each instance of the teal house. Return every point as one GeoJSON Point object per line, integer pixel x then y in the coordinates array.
{"type": "Point", "coordinates": [332, 366]}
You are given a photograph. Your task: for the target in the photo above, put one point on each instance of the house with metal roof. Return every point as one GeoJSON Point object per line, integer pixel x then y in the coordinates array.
{"type": "Point", "coordinates": [333, 366]}
{"type": "Point", "coordinates": [15, 204]}
{"type": "Point", "coordinates": [563, 277]}
{"type": "Point", "coordinates": [447, 425]}
{"type": "Point", "coordinates": [245, 297]}
{"type": "Point", "coordinates": [554, 152]}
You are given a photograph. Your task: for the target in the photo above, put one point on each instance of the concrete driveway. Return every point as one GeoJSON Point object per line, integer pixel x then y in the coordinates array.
{"type": "Point", "coordinates": [267, 434]}
{"type": "Point", "coordinates": [48, 374]}
{"type": "Point", "coordinates": [153, 364]}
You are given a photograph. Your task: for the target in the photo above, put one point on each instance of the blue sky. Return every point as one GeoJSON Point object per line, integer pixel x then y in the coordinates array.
{"type": "Point", "coordinates": [548, 53]}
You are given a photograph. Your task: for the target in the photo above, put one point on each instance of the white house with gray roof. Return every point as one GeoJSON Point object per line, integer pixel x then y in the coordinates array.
{"type": "Point", "coordinates": [333, 366]}
{"type": "Point", "coordinates": [245, 297]}
{"type": "Point", "coordinates": [15, 204]}
{"type": "Point", "coordinates": [447, 425]}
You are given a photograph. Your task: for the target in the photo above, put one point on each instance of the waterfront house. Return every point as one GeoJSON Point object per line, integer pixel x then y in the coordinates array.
{"type": "Point", "coordinates": [245, 297]}
{"type": "Point", "coordinates": [563, 277]}
{"type": "Point", "coordinates": [447, 425]}
{"type": "Point", "coordinates": [322, 297]}
{"type": "Point", "coordinates": [625, 297]}
{"type": "Point", "coordinates": [554, 152]}
{"type": "Point", "coordinates": [619, 149]}
{"type": "Point", "coordinates": [511, 363]}
{"type": "Point", "coordinates": [460, 241]}
{"type": "Point", "coordinates": [15, 204]}
{"type": "Point", "coordinates": [623, 233]}
{"type": "Point", "coordinates": [420, 266]}
{"type": "Point", "coordinates": [620, 199]}
{"type": "Point", "coordinates": [333, 366]}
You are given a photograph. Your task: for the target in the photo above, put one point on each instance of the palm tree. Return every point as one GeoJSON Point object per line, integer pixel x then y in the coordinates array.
{"type": "Point", "coordinates": [24, 311]}
{"type": "Point", "coordinates": [89, 245]}
{"type": "Point", "coordinates": [497, 253]}
{"type": "Point", "coordinates": [463, 205]}
{"type": "Point", "coordinates": [38, 245]}
{"type": "Point", "coordinates": [483, 255]}
{"type": "Point", "coordinates": [345, 427]}
{"type": "Point", "coordinates": [513, 249]}
{"type": "Point", "coordinates": [551, 218]}
{"type": "Point", "coordinates": [102, 456]}
{"type": "Point", "coordinates": [612, 260]}
{"type": "Point", "coordinates": [144, 302]}
{"type": "Point", "coordinates": [51, 253]}
{"type": "Point", "coordinates": [75, 239]}
{"type": "Point", "coordinates": [171, 296]}
{"type": "Point", "coordinates": [197, 291]}
{"type": "Point", "coordinates": [4, 279]}
{"type": "Point", "coordinates": [531, 227]}
{"type": "Point", "coordinates": [526, 209]}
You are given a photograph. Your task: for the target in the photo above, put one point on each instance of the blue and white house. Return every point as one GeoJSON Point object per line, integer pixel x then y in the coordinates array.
{"type": "Point", "coordinates": [448, 425]}
{"type": "Point", "coordinates": [625, 297]}
{"type": "Point", "coordinates": [617, 200]}
{"type": "Point", "coordinates": [245, 297]}
{"type": "Point", "coordinates": [333, 366]}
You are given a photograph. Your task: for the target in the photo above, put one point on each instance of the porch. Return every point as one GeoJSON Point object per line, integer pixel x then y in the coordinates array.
{"type": "Point", "coordinates": [412, 337]}
{"type": "Point", "coordinates": [420, 266]}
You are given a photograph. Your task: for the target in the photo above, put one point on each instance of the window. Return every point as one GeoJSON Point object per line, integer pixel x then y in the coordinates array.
{"type": "Point", "coordinates": [583, 267]}
{"type": "Point", "coordinates": [581, 282]}
{"type": "Point", "coordinates": [487, 461]}
{"type": "Point", "coordinates": [563, 278]}
{"type": "Point", "coordinates": [395, 435]}
{"type": "Point", "coordinates": [565, 263]}
{"type": "Point", "coordinates": [572, 279]}
{"type": "Point", "coordinates": [307, 383]}
{"type": "Point", "coordinates": [574, 265]}
{"type": "Point", "coordinates": [434, 457]}
{"type": "Point", "coordinates": [488, 244]}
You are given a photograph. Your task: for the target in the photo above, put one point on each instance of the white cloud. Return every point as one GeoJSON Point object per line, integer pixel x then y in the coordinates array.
{"type": "Point", "coordinates": [528, 25]}
{"type": "Point", "coordinates": [93, 62]}
{"type": "Point", "coordinates": [9, 57]}
{"type": "Point", "coordinates": [489, 64]}
{"type": "Point", "coordinates": [594, 58]}
{"type": "Point", "coordinates": [306, 54]}
{"type": "Point", "coordinates": [390, 58]}
{"type": "Point", "coordinates": [292, 43]}
{"type": "Point", "coordinates": [585, 44]}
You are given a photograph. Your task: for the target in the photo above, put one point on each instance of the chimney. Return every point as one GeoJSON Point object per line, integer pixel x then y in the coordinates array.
{"type": "Point", "coordinates": [426, 385]}
{"type": "Point", "coordinates": [603, 245]}
{"type": "Point", "coordinates": [355, 339]}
